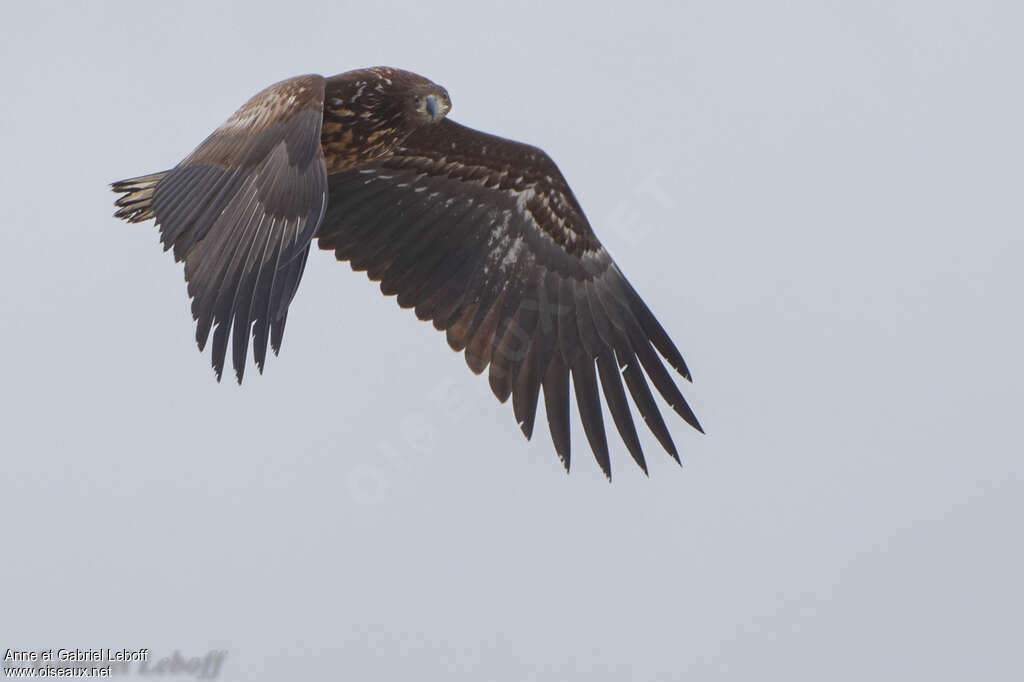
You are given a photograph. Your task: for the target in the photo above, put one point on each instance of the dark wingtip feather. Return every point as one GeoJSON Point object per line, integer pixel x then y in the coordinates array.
{"type": "Point", "coordinates": [277, 333]}
{"type": "Point", "coordinates": [615, 397]}
{"type": "Point", "coordinates": [588, 402]}
{"type": "Point", "coordinates": [501, 386]}
{"type": "Point", "coordinates": [219, 350]}
{"type": "Point", "coordinates": [556, 404]}
{"type": "Point", "coordinates": [260, 337]}
{"type": "Point", "coordinates": [674, 454]}
{"type": "Point", "coordinates": [641, 393]}
{"type": "Point", "coordinates": [525, 393]}
{"type": "Point", "coordinates": [653, 329]}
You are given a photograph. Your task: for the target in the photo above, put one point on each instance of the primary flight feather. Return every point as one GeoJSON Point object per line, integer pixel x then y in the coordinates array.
{"type": "Point", "coordinates": [477, 233]}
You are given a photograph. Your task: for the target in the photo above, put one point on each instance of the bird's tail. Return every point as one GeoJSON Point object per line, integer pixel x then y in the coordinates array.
{"type": "Point", "coordinates": [137, 203]}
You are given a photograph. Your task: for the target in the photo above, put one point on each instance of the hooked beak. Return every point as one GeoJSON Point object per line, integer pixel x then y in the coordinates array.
{"type": "Point", "coordinates": [432, 106]}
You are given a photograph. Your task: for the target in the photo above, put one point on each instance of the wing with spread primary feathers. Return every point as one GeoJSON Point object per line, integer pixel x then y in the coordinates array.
{"type": "Point", "coordinates": [483, 236]}
{"type": "Point", "coordinates": [241, 211]}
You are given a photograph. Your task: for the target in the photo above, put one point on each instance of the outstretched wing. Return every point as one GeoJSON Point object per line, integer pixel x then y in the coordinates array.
{"type": "Point", "coordinates": [241, 211]}
{"type": "Point", "coordinates": [483, 236]}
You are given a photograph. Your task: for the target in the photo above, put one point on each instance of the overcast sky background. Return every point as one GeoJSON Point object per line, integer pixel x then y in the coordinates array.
{"type": "Point", "coordinates": [821, 201]}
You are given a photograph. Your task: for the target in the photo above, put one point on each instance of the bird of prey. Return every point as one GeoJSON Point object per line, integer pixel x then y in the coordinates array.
{"type": "Point", "coordinates": [480, 235]}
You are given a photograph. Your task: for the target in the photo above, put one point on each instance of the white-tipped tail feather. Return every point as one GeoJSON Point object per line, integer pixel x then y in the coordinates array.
{"type": "Point", "coordinates": [137, 203]}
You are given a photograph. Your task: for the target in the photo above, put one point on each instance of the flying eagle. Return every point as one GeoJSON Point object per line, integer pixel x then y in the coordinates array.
{"type": "Point", "coordinates": [479, 234]}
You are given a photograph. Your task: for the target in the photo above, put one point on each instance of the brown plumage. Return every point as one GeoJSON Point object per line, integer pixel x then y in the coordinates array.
{"type": "Point", "coordinates": [479, 234]}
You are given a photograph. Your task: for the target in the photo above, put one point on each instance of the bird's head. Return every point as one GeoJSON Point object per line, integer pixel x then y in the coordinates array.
{"type": "Point", "coordinates": [368, 112]}
{"type": "Point", "coordinates": [420, 100]}
{"type": "Point", "coordinates": [429, 103]}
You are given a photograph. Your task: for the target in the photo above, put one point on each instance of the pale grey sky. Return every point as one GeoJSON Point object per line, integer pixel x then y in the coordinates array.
{"type": "Point", "coordinates": [821, 203]}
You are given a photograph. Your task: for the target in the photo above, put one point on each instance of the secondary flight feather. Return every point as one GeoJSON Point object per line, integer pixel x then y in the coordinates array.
{"type": "Point", "coordinates": [478, 234]}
